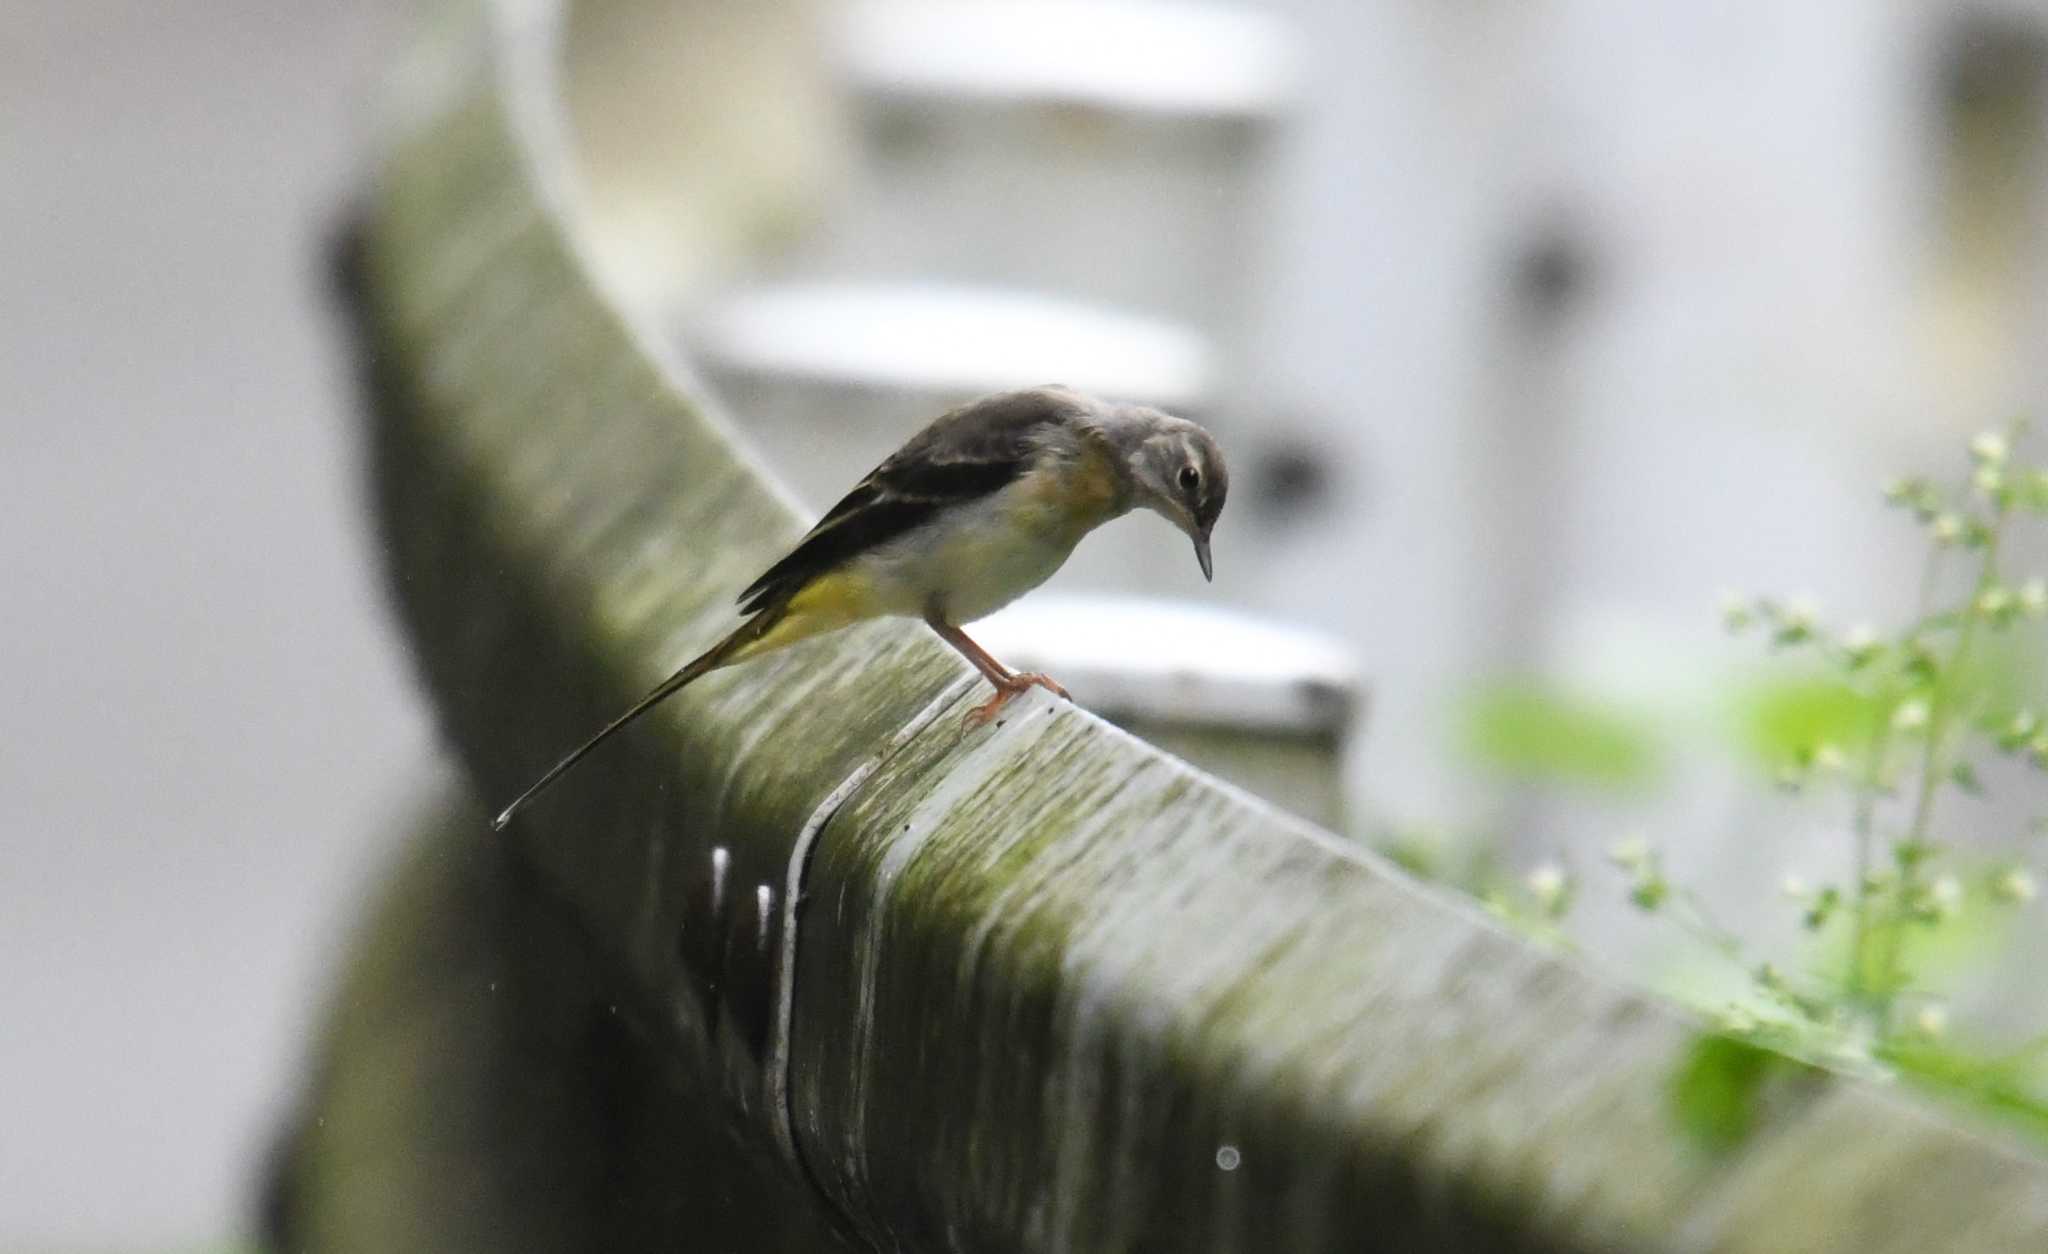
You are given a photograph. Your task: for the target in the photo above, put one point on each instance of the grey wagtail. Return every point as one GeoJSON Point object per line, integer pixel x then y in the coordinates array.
{"type": "Point", "coordinates": [976, 510]}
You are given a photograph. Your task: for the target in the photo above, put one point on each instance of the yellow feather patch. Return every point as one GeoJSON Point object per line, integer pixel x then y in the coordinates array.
{"type": "Point", "coordinates": [829, 602]}
{"type": "Point", "coordinates": [1077, 495]}
{"type": "Point", "coordinates": [840, 595]}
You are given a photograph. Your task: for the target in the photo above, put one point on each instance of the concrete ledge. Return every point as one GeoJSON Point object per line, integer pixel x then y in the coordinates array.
{"type": "Point", "coordinates": [1034, 988]}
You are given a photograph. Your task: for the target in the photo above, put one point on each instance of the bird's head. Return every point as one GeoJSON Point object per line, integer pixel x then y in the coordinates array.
{"type": "Point", "coordinates": [1177, 472]}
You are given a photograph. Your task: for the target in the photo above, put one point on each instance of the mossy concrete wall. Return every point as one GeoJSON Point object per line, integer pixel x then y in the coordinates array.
{"type": "Point", "coordinates": [1036, 987]}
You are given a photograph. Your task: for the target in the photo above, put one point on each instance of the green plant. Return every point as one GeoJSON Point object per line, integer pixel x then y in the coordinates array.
{"type": "Point", "coordinates": [1895, 725]}
{"type": "Point", "coordinates": [1535, 903]}
{"type": "Point", "coordinates": [1898, 731]}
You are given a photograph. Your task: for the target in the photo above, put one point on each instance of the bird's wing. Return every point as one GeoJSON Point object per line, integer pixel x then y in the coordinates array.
{"type": "Point", "coordinates": [964, 455]}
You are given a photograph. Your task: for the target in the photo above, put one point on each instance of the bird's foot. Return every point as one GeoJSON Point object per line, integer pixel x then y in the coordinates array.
{"type": "Point", "coordinates": [1020, 683]}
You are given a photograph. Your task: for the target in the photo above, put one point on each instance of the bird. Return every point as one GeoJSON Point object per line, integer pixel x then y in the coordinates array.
{"type": "Point", "coordinates": [977, 509]}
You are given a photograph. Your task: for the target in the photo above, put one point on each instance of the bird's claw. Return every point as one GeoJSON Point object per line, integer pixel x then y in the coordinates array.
{"type": "Point", "coordinates": [1020, 683]}
{"type": "Point", "coordinates": [1032, 679]}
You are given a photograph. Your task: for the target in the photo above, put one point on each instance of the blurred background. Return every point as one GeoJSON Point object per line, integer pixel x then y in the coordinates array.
{"type": "Point", "coordinates": [1529, 328]}
{"type": "Point", "coordinates": [212, 737]}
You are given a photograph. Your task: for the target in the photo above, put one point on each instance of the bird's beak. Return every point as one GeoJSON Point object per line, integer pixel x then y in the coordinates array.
{"type": "Point", "coordinates": [1202, 556]}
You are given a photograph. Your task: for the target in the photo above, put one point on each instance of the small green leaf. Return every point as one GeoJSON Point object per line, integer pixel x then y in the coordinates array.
{"type": "Point", "coordinates": [1822, 909]}
{"type": "Point", "coordinates": [1717, 1090]}
{"type": "Point", "coordinates": [2011, 734]}
{"type": "Point", "coordinates": [1791, 634]}
{"type": "Point", "coordinates": [2032, 492]}
{"type": "Point", "coordinates": [1913, 853]}
{"type": "Point", "coordinates": [1965, 777]}
{"type": "Point", "coordinates": [2002, 1086]}
{"type": "Point", "coordinates": [1530, 732]}
{"type": "Point", "coordinates": [1783, 720]}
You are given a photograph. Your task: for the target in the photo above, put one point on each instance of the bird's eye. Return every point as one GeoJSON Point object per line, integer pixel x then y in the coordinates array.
{"type": "Point", "coordinates": [1190, 478]}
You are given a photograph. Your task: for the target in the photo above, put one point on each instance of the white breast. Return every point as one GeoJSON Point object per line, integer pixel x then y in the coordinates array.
{"type": "Point", "coordinates": [974, 559]}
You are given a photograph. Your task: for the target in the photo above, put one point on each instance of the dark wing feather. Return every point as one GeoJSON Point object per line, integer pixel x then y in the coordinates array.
{"type": "Point", "coordinates": [964, 455]}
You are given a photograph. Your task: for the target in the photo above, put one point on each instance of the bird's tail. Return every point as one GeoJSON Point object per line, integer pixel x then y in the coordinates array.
{"type": "Point", "coordinates": [744, 641]}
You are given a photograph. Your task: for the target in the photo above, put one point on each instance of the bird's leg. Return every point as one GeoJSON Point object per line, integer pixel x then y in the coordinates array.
{"type": "Point", "coordinates": [1008, 683]}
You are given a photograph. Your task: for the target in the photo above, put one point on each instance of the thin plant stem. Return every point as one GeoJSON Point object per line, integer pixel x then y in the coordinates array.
{"type": "Point", "coordinates": [2023, 1053]}
{"type": "Point", "coordinates": [1865, 833]}
{"type": "Point", "coordinates": [1940, 713]}
{"type": "Point", "coordinates": [1700, 921]}
{"type": "Point", "coordinates": [1864, 823]}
